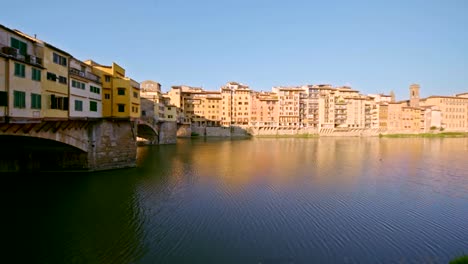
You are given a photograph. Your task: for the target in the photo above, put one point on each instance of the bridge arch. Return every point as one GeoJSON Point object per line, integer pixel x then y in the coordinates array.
{"type": "Point", "coordinates": [70, 132]}
{"type": "Point", "coordinates": [147, 131]}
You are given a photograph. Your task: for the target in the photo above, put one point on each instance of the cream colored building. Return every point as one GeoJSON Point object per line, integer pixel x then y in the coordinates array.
{"type": "Point", "coordinates": [289, 105]}
{"type": "Point", "coordinates": [453, 109]}
{"type": "Point", "coordinates": [85, 91]}
{"type": "Point", "coordinates": [22, 75]}
{"type": "Point", "coordinates": [152, 97]}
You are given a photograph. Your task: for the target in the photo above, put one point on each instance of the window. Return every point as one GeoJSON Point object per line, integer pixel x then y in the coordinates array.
{"type": "Point", "coordinates": [78, 84]}
{"type": "Point", "coordinates": [51, 76]}
{"type": "Point", "coordinates": [92, 106]}
{"type": "Point", "coordinates": [106, 96]}
{"type": "Point", "coordinates": [20, 70]}
{"type": "Point", "coordinates": [143, 113]}
{"type": "Point", "coordinates": [59, 59]}
{"type": "Point", "coordinates": [135, 94]}
{"type": "Point", "coordinates": [19, 99]}
{"type": "Point", "coordinates": [58, 102]}
{"type": "Point", "coordinates": [63, 80]}
{"type": "Point", "coordinates": [20, 45]}
{"type": "Point", "coordinates": [121, 91]}
{"type": "Point", "coordinates": [107, 78]}
{"type": "Point", "coordinates": [36, 74]}
{"type": "Point", "coordinates": [78, 105]}
{"type": "Point", "coordinates": [121, 108]}
{"type": "Point", "coordinates": [95, 89]}
{"type": "Point", "coordinates": [3, 98]}
{"type": "Point", "coordinates": [35, 101]}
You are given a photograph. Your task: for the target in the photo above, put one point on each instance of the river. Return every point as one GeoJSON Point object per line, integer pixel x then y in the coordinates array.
{"type": "Point", "coordinates": [259, 200]}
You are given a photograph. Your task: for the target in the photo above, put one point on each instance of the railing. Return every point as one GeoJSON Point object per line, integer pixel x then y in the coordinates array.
{"type": "Point", "coordinates": [13, 52]}
{"type": "Point", "coordinates": [86, 75]}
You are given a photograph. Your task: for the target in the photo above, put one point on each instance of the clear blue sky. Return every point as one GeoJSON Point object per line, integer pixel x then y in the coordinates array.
{"type": "Point", "coordinates": [374, 46]}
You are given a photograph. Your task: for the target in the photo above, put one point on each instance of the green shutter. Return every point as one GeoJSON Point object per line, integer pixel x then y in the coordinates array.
{"type": "Point", "coordinates": [36, 74]}
{"type": "Point", "coordinates": [3, 98]}
{"type": "Point", "coordinates": [23, 48]}
{"type": "Point", "coordinates": [20, 70]}
{"type": "Point", "coordinates": [17, 69]}
{"type": "Point", "coordinates": [35, 101]}
{"type": "Point", "coordinates": [19, 99]}
{"type": "Point", "coordinates": [20, 45]}
{"type": "Point", "coordinates": [93, 106]}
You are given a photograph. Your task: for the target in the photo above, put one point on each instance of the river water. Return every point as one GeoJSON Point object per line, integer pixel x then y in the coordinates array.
{"type": "Point", "coordinates": [260, 200]}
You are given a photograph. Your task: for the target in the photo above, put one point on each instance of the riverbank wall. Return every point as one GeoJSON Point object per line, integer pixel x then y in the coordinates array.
{"type": "Point", "coordinates": [246, 131]}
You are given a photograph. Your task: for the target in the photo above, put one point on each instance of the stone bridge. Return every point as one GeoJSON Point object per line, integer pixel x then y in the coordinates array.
{"type": "Point", "coordinates": [73, 144]}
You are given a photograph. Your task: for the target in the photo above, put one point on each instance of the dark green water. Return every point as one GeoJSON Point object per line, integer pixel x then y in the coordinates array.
{"type": "Point", "coordinates": [327, 200]}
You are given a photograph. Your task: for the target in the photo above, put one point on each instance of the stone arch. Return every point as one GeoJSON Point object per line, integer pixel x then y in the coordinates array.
{"type": "Point", "coordinates": [76, 136]}
{"type": "Point", "coordinates": [147, 131]}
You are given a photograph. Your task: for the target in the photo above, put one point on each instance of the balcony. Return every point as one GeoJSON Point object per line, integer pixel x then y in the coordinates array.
{"type": "Point", "coordinates": [13, 52]}
{"type": "Point", "coordinates": [86, 75]}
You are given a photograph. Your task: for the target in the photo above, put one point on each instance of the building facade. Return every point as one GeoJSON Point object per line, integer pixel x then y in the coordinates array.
{"type": "Point", "coordinates": [85, 91]}
{"type": "Point", "coordinates": [22, 75]}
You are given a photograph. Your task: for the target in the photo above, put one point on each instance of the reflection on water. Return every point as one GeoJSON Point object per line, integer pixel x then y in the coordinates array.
{"type": "Point", "coordinates": [342, 200]}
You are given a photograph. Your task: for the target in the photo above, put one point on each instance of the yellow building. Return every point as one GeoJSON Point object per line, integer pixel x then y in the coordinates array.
{"type": "Point", "coordinates": [235, 104]}
{"type": "Point", "coordinates": [383, 116]}
{"type": "Point", "coordinates": [120, 94]}
{"type": "Point", "coordinates": [135, 99]}
{"type": "Point", "coordinates": [55, 89]}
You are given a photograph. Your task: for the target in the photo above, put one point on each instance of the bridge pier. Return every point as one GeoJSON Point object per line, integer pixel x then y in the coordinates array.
{"type": "Point", "coordinates": [112, 145]}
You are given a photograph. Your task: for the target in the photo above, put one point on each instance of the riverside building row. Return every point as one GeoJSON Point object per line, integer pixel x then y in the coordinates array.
{"type": "Point", "coordinates": [318, 107]}
{"type": "Point", "coordinates": [39, 81]}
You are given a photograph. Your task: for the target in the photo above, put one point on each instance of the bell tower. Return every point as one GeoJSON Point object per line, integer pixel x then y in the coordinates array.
{"type": "Point", "coordinates": [414, 95]}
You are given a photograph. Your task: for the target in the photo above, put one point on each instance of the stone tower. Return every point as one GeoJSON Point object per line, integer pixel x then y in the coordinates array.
{"type": "Point", "coordinates": [414, 95]}
{"type": "Point", "coordinates": [392, 96]}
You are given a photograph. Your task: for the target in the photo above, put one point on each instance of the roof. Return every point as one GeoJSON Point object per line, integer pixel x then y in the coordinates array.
{"type": "Point", "coordinates": [450, 97]}
{"type": "Point", "coordinates": [17, 32]}
{"type": "Point", "coordinates": [57, 49]}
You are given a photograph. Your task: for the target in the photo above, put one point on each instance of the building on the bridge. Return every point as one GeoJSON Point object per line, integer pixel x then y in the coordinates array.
{"type": "Point", "coordinates": [21, 77]}
{"type": "Point", "coordinates": [85, 91]}
{"type": "Point", "coordinates": [151, 95]}
{"type": "Point", "coordinates": [120, 94]}
{"type": "Point", "coordinates": [55, 89]}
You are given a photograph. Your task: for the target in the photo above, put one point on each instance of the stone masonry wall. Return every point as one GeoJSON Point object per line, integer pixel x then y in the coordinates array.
{"type": "Point", "coordinates": [112, 145]}
{"type": "Point", "coordinates": [218, 132]}
{"type": "Point", "coordinates": [184, 131]}
{"type": "Point", "coordinates": [168, 133]}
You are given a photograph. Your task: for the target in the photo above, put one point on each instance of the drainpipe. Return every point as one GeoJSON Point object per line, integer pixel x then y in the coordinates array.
{"type": "Point", "coordinates": [7, 88]}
